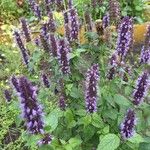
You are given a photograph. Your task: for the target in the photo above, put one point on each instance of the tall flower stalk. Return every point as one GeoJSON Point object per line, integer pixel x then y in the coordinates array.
{"type": "Point", "coordinates": [128, 125]}
{"type": "Point", "coordinates": [145, 53]}
{"type": "Point", "coordinates": [141, 88]}
{"type": "Point", "coordinates": [22, 48]}
{"type": "Point", "coordinates": [88, 21]}
{"type": "Point", "coordinates": [92, 78]}
{"type": "Point", "coordinates": [74, 24]}
{"type": "Point", "coordinates": [125, 37]}
{"type": "Point", "coordinates": [63, 56]}
{"type": "Point", "coordinates": [25, 29]}
{"type": "Point", "coordinates": [51, 23]}
{"type": "Point", "coordinates": [31, 109]}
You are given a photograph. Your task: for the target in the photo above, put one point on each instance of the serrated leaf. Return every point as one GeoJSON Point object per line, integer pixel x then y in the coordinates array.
{"type": "Point", "coordinates": [121, 100]}
{"type": "Point", "coordinates": [136, 139]}
{"type": "Point", "coordinates": [109, 141]}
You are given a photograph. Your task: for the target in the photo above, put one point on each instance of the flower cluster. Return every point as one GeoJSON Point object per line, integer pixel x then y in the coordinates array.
{"type": "Point", "coordinates": [92, 77]}
{"type": "Point", "coordinates": [106, 21]}
{"type": "Point", "coordinates": [25, 29]}
{"type": "Point", "coordinates": [35, 8]}
{"type": "Point", "coordinates": [63, 51]}
{"type": "Point", "coordinates": [45, 80]}
{"type": "Point", "coordinates": [74, 25]}
{"type": "Point", "coordinates": [141, 89]}
{"type": "Point", "coordinates": [51, 23]}
{"type": "Point", "coordinates": [31, 110]}
{"type": "Point", "coordinates": [113, 65]}
{"type": "Point", "coordinates": [47, 6]}
{"type": "Point", "coordinates": [7, 95]}
{"type": "Point", "coordinates": [62, 102]}
{"type": "Point", "coordinates": [47, 139]}
{"type": "Point", "coordinates": [23, 50]}
{"type": "Point", "coordinates": [145, 53]}
{"type": "Point", "coordinates": [128, 125]}
{"type": "Point", "coordinates": [53, 44]}
{"type": "Point", "coordinates": [114, 11]}
{"type": "Point", "coordinates": [67, 26]}
{"type": "Point", "coordinates": [88, 21]}
{"type": "Point", "coordinates": [44, 42]}
{"type": "Point", "coordinates": [125, 37]}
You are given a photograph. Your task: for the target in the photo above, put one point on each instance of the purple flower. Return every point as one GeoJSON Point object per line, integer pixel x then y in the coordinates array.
{"type": "Point", "coordinates": [92, 78]}
{"type": "Point", "coordinates": [35, 8]}
{"type": "Point", "coordinates": [47, 139]}
{"type": "Point", "coordinates": [25, 29]}
{"type": "Point", "coordinates": [113, 66]}
{"type": "Point", "coordinates": [63, 51]}
{"type": "Point", "coordinates": [7, 95]}
{"type": "Point", "coordinates": [45, 80]}
{"type": "Point", "coordinates": [67, 26]}
{"type": "Point", "coordinates": [23, 50]}
{"type": "Point", "coordinates": [74, 25]}
{"type": "Point", "coordinates": [51, 23]}
{"type": "Point", "coordinates": [62, 102]}
{"type": "Point", "coordinates": [44, 42]}
{"type": "Point", "coordinates": [125, 37]}
{"type": "Point", "coordinates": [70, 4]}
{"type": "Point", "coordinates": [15, 83]}
{"type": "Point", "coordinates": [141, 89]}
{"type": "Point", "coordinates": [145, 53]}
{"type": "Point", "coordinates": [127, 126]}
{"type": "Point", "coordinates": [106, 21]}
{"type": "Point", "coordinates": [53, 44]}
{"type": "Point", "coordinates": [88, 21]}
{"type": "Point", "coordinates": [31, 110]}
{"type": "Point", "coordinates": [37, 11]}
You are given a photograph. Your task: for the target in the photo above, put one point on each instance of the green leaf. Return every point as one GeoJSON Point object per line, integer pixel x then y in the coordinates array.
{"type": "Point", "coordinates": [97, 121]}
{"type": "Point", "coordinates": [121, 100]}
{"type": "Point", "coordinates": [75, 142]}
{"type": "Point", "coordinates": [88, 132]}
{"type": "Point", "coordinates": [109, 141]}
{"type": "Point", "coordinates": [136, 139]}
{"type": "Point", "coordinates": [144, 146]}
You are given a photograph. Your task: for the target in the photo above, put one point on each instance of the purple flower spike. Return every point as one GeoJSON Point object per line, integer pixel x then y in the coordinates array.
{"type": "Point", "coordinates": [106, 21]}
{"type": "Point", "coordinates": [92, 78]}
{"type": "Point", "coordinates": [128, 125]}
{"type": "Point", "coordinates": [51, 23]}
{"type": "Point", "coordinates": [70, 4]}
{"type": "Point", "coordinates": [145, 53]}
{"type": "Point", "coordinates": [141, 89]}
{"type": "Point", "coordinates": [31, 110]}
{"type": "Point", "coordinates": [74, 25]}
{"type": "Point", "coordinates": [7, 95]}
{"type": "Point", "coordinates": [62, 102]}
{"type": "Point", "coordinates": [45, 80]}
{"type": "Point", "coordinates": [63, 51]}
{"type": "Point", "coordinates": [23, 50]}
{"type": "Point", "coordinates": [25, 29]}
{"type": "Point", "coordinates": [44, 42]}
{"type": "Point", "coordinates": [125, 37]}
{"type": "Point", "coordinates": [53, 44]}
{"type": "Point", "coordinates": [113, 65]}
{"type": "Point", "coordinates": [46, 140]}
{"type": "Point", "coordinates": [37, 11]}
{"type": "Point", "coordinates": [67, 26]}
{"type": "Point", "coordinates": [15, 83]}
{"type": "Point", "coordinates": [35, 8]}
